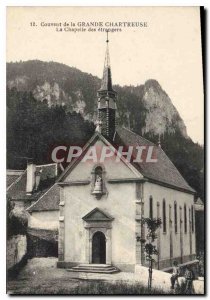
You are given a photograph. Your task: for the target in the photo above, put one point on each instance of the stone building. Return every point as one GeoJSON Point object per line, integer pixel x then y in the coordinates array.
{"type": "Point", "coordinates": [35, 197]}
{"type": "Point", "coordinates": [102, 202]}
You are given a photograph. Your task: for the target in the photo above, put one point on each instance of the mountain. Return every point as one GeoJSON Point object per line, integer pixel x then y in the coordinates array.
{"type": "Point", "coordinates": [145, 108]}
{"type": "Point", "coordinates": [50, 103]}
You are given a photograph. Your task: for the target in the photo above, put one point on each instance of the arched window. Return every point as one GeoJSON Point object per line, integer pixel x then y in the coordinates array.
{"type": "Point", "coordinates": [164, 215]}
{"type": "Point", "coordinates": [185, 219]}
{"type": "Point", "coordinates": [151, 207]}
{"type": "Point", "coordinates": [175, 217]}
{"type": "Point", "coordinates": [192, 216]}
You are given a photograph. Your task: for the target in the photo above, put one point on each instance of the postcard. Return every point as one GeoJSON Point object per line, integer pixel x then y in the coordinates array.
{"type": "Point", "coordinates": [105, 150]}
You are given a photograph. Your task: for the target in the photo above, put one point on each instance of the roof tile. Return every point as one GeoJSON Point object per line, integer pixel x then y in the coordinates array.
{"type": "Point", "coordinates": [163, 170]}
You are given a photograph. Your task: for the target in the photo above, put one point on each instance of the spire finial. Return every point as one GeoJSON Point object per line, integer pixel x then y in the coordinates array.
{"type": "Point", "coordinates": [107, 59]}
{"type": "Point", "coordinates": [107, 36]}
{"type": "Point", "coordinates": [159, 142]}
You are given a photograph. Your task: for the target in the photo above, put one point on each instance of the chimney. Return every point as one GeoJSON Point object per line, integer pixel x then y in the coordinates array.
{"type": "Point", "coordinates": [37, 179]}
{"type": "Point", "coordinates": [31, 169]}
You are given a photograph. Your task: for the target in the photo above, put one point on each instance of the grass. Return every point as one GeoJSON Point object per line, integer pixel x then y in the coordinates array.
{"type": "Point", "coordinates": [93, 288]}
{"type": "Point", "coordinates": [119, 288]}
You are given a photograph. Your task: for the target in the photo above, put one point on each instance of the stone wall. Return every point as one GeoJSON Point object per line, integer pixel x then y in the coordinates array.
{"type": "Point", "coordinates": [42, 243]}
{"type": "Point", "coordinates": [16, 250]}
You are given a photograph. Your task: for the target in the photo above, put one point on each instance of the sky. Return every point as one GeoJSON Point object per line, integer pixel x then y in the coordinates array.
{"type": "Point", "coordinates": [167, 49]}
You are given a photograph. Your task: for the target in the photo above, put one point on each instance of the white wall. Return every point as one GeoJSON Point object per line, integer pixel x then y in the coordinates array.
{"type": "Point", "coordinates": [121, 206]}
{"type": "Point", "coordinates": [44, 220]}
{"type": "Point", "coordinates": [170, 195]}
{"type": "Point", "coordinates": [119, 202]}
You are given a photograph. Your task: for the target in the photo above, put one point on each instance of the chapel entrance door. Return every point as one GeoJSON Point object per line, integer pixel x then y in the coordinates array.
{"type": "Point", "coordinates": [99, 248]}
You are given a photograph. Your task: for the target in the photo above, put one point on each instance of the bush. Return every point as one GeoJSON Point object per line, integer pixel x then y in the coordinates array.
{"type": "Point", "coordinates": [16, 223]}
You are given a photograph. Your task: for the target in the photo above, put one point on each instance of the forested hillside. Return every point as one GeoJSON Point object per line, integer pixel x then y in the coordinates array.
{"type": "Point", "coordinates": [51, 103]}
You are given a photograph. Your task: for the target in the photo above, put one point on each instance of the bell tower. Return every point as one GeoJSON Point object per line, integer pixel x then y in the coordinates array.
{"type": "Point", "coordinates": [106, 100]}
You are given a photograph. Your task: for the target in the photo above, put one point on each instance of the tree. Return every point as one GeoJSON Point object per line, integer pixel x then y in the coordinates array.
{"type": "Point", "coordinates": [34, 129]}
{"type": "Point", "coordinates": [149, 248]}
{"type": "Point", "coordinates": [17, 221]}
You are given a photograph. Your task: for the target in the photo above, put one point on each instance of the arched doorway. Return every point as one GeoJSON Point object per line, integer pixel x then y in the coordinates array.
{"type": "Point", "coordinates": [99, 248]}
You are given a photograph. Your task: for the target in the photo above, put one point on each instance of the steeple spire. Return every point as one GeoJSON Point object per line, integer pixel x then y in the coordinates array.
{"type": "Point", "coordinates": [106, 83]}
{"type": "Point", "coordinates": [107, 58]}
{"type": "Point", "coordinates": [106, 99]}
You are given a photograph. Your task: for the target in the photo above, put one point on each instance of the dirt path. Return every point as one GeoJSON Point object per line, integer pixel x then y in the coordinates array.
{"type": "Point", "coordinates": [40, 275]}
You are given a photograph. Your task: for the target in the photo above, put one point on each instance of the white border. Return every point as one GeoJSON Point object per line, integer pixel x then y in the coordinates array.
{"type": "Point", "coordinates": [3, 5]}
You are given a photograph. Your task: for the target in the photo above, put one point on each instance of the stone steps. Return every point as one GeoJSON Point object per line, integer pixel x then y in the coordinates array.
{"type": "Point", "coordinates": [94, 268]}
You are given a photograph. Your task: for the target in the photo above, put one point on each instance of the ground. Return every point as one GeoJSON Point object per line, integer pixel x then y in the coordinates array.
{"type": "Point", "coordinates": [40, 276]}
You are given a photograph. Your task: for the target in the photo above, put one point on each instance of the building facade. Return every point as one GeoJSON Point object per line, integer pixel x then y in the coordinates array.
{"type": "Point", "coordinates": [102, 203]}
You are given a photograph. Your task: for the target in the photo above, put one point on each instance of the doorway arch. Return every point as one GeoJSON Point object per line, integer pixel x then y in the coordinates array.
{"type": "Point", "coordinates": [99, 248]}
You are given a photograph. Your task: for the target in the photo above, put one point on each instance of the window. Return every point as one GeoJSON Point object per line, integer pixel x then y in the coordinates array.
{"type": "Point", "coordinates": [158, 210]}
{"type": "Point", "coordinates": [190, 228]}
{"type": "Point", "coordinates": [164, 215]}
{"type": "Point", "coordinates": [170, 220]}
{"type": "Point", "coordinates": [192, 216]}
{"type": "Point", "coordinates": [185, 219]}
{"type": "Point", "coordinates": [175, 217]}
{"type": "Point", "coordinates": [151, 207]}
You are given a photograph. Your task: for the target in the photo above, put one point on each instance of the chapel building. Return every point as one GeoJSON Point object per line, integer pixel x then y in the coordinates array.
{"type": "Point", "coordinates": [102, 203]}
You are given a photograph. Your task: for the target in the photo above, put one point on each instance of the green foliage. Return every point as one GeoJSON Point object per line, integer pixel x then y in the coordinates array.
{"type": "Point", "coordinates": [34, 129]}
{"type": "Point", "coordinates": [150, 250]}
{"type": "Point", "coordinates": [16, 224]}
{"type": "Point", "coordinates": [201, 264]}
{"type": "Point", "coordinates": [87, 287]}
{"type": "Point", "coordinates": [152, 225]}
{"type": "Point", "coordinates": [28, 132]}
{"type": "Point", "coordinates": [118, 288]}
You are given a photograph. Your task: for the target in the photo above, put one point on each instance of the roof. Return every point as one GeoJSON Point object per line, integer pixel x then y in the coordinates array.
{"type": "Point", "coordinates": [199, 201]}
{"type": "Point", "coordinates": [199, 206]}
{"type": "Point", "coordinates": [163, 171]}
{"type": "Point", "coordinates": [97, 215]}
{"type": "Point", "coordinates": [17, 191]}
{"type": "Point", "coordinates": [12, 176]}
{"type": "Point", "coordinates": [44, 234]}
{"type": "Point", "coordinates": [48, 201]}
{"type": "Point", "coordinates": [106, 82]}
{"type": "Point", "coordinates": [90, 142]}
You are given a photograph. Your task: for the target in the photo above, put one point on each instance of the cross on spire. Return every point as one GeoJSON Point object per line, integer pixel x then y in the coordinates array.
{"type": "Point", "coordinates": [106, 83]}
{"type": "Point", "coordinates": [107, 58]}
{"type": "Point", "coordinates": [107, 35]}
